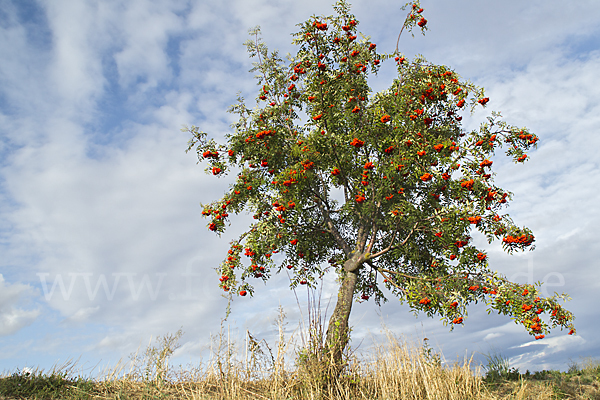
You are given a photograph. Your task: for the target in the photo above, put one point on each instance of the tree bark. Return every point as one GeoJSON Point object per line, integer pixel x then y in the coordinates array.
{"type": "Point", "coordinates": [338, 331]}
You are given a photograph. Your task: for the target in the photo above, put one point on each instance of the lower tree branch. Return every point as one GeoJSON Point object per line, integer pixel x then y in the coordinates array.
{"type": "Point", "coordinates": [392, 247]}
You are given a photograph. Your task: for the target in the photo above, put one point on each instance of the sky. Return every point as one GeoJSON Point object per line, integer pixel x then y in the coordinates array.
{"type": "Point", "coordinates": [96, 187]}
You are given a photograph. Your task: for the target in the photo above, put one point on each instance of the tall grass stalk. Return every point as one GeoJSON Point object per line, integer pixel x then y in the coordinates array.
{"type": "Point", "coordinates": [394, 369]}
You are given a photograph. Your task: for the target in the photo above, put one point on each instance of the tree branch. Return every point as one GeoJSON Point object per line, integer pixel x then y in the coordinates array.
{"type": "Point", "coordinates": [382, 272]}
{"type": "Point", "coordinates": [375, 231]}
{"type": "Point", "coordinates": [330, 225]}
{"type": "Point", "coordinates": [400, 34]}
{"type": "Point", "coordinates": [391, 246]}
{"type": "Point", "coordinates": [362, 236]}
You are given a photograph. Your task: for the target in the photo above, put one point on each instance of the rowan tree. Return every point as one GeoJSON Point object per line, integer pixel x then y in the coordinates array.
{"type": "Point", "coordinates": [383, 189]}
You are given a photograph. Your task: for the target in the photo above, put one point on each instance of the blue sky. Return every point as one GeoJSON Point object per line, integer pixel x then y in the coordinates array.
{"type": "Point", "coordinates": [95, 183]}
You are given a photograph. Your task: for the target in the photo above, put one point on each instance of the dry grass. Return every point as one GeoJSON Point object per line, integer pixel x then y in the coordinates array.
{"type": "Point", "coordinates": [395, 369]}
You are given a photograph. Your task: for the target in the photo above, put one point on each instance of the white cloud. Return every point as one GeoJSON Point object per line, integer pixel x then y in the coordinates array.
{"type": "Point", "coordinates": [84, 314]}
{"type": "Point", "coordinates": [147, 27]}
{"type": "Point", "coordinates": [76, 70]}
{"type": "Point", "coordinates": [12, 316]}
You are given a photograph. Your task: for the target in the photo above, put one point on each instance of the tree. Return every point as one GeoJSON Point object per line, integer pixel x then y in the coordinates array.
{"type": "Point", "coordinates": [384, 187]}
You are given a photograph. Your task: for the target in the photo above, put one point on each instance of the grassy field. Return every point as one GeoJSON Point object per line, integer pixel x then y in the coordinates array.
{"type": "Point", "coordinates": [396, 370]}
{"type": "Point", "coordinates": [393, 370]}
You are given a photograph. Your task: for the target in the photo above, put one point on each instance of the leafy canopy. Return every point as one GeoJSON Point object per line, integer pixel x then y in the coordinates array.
{"type": "Point", "coordinates": [331, 170]}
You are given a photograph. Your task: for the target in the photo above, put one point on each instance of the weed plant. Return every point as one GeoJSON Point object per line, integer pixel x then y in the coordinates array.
{"type": "Point", "coordinates": [395, 369]}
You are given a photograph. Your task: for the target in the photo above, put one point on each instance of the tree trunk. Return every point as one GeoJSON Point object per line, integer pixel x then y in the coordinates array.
{"type": "Point", "coordinates": [338, 332]}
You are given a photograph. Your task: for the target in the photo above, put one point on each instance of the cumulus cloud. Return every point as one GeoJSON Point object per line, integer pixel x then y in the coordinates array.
{"type": "Point", "coordinates": [12, 317]}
